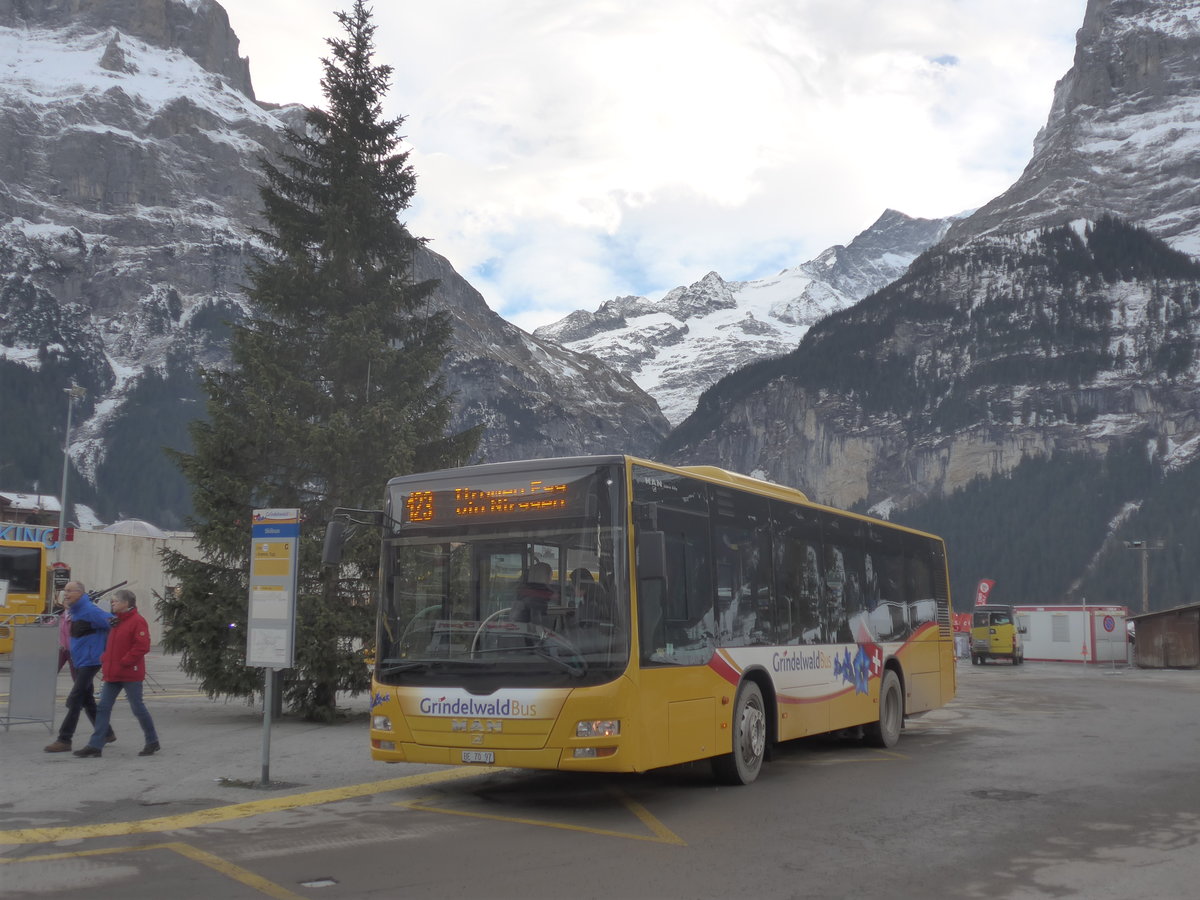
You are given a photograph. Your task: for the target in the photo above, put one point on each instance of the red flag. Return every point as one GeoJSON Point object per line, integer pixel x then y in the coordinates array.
{"type": "Point", "coordinates": [981, 592]}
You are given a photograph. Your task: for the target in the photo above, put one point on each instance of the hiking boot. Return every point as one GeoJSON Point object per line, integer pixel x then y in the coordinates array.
{"type": "Point", "coordinates": [59, 746]}
{"type": "Point", "coordinates": [110, 738]}
{"type": "Point", "coordinates": [150, 749]}
{"type": "Point", "coordinates": [88, 750]}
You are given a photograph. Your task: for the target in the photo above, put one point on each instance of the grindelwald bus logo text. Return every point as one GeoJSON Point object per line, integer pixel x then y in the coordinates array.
{"type": "Point", "coordinates": [797, 661]}
{"type": "Point", "coordinates": [501, 707]}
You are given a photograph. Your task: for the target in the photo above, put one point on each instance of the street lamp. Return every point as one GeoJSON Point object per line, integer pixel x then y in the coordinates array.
{"type": "Point", "coordinates": [74, 392]}
{"type": "Point", "coordinates": [1144, 547]}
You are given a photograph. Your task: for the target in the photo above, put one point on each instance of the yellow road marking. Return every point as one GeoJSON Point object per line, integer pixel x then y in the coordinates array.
{"type": "Point", "coordinates": [665, 834]}
{"type": "Point", "coordinates": [662, 834]}
{"type": "Point", "coordinates": [218, 814]}
{"type": "Point", "coordinates": [236, 872]}
{"type": "Point", "coordinates": [216, 863]}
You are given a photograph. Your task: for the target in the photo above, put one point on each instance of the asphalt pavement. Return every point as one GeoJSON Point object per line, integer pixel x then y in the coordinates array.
{"type": "Point", "coordinates": [212, 755]}
{"type": "Point", "coordinates": [218, 760]}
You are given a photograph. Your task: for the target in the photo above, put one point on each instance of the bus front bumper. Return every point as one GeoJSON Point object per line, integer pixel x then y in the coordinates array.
{"type": "Point", "coordinates": [484, 758]}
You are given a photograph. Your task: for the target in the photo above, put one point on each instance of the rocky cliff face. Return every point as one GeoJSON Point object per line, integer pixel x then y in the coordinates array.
{"type": "Point", "coordinates": [128, 196]}
{"type": "Point", "coordinates": [1122, 132]}
{"type": "Point", "coordinates": [676, 347]}
{"type": "Point", "coordinates": [1002, 342]}
{"type": "Point", "coordinates": [982, 355]}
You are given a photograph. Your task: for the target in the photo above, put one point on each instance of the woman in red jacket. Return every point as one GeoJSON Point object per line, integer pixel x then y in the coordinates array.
{"type": "Point", "coordinates": [124, 668]}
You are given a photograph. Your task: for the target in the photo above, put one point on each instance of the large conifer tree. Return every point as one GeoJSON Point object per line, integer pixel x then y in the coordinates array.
{"type": "Point", "coordinates": [333, 389]}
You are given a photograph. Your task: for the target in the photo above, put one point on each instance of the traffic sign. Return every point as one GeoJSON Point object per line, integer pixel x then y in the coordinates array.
{"type": "Point", "coordinates": [274, 554]}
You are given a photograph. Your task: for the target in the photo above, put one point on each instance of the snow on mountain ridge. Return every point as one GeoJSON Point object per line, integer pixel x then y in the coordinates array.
{"type": "Point", "coordinates": [676, 347]}
{"type": "Point", "coordinates": [51, 66]}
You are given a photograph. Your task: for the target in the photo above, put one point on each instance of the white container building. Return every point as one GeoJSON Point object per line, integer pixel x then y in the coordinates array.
{"type": "Point", "coordinates": [1082, 634]}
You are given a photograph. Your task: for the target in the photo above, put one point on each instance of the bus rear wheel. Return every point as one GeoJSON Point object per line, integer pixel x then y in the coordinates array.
{"type": "Point", "coordinates": [886, 732]}
{"type": "Point", "coordinates": [749, 738]}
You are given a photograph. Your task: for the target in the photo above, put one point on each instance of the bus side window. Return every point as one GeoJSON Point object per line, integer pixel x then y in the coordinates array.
{"type": "Point", "coordinates": [844, 575]}
{"type": "Point", "coordinates": [687, 630]}
{"type": "Point", "coordinates": [742, 554]}
{"type": "Point", "coordinates": [797, 560]}
{"type": "Point", "coordinates": [889, 617]}
{"type": "Point", "coordinates": [675, 614]}
{"type": "Point", "coordinates": [922, 595]}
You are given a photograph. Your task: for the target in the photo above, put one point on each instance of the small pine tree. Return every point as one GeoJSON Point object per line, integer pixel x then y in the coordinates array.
{"type": "Point", "coordinates": [333, 388]}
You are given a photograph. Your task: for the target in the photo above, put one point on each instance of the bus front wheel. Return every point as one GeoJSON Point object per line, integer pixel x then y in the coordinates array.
{"type": "Point", "coordinates": [886, 732]}
{"type": "Point", "coordinates": [749, 738]}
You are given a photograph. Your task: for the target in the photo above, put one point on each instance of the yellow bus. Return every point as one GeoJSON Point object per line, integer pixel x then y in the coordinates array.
{"type": "Point", "coordinates": [25, 586]}
{"type": "Point", "coordinates": [612, 614]}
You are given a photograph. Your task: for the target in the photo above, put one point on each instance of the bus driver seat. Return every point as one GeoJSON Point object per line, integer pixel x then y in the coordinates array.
{"type": "Point", "coordinates": [595, 608]}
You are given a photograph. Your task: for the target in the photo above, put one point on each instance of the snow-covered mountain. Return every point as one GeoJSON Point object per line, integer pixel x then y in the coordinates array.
{"type": "Point", "coordinates": [1032, 381]}
{"type": "Point", "coordinates": [129, 177]}
{"type": "Point", "coordinates": [1119, 141]}
{"type": "Point", "coordinates": [677, 347]}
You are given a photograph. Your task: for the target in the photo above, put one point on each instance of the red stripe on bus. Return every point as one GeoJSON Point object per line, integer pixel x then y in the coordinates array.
{"type": "Point", "coordinates": [785, 698]}
{"type": "Point", "coordinates": [725, 668]}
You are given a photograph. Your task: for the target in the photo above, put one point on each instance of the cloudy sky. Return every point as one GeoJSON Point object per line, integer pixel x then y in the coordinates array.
{"type": "Point", "coordinates": [571, 151]}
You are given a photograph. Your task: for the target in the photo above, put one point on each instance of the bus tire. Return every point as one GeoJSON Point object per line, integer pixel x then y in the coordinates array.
{"type": "Point", "coordinates": [886, 732]}
{"type": "Point", "coordinates": [749, 738]}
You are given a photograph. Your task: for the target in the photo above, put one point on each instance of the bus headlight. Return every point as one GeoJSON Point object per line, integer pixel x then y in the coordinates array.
{"type": "Point", "coordinates": [598, 728]}
{"type": "Point", "coordinates": [381, 723]}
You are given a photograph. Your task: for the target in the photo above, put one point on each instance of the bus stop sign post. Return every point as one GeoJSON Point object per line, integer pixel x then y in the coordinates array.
{"type": "Point", "coordinates": [271, 623]}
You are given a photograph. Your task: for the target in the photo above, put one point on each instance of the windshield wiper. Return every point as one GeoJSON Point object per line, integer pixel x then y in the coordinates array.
{"type": "Point", "coordinates": [578, 670]}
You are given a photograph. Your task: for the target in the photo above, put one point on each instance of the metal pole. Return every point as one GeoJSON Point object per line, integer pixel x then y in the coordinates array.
{"type": "Point", "coordinates": [268, 703]}
{"type": "Point", "coordinates": [1145, 579]}
{"type": "Point", "coordinates": [62, 499]}
{"type": "Point", "coordinates": [1144, 548]}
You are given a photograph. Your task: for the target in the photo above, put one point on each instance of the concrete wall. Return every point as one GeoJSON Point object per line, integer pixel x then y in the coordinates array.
{"type": "Point", "coordinates": [100, 559]}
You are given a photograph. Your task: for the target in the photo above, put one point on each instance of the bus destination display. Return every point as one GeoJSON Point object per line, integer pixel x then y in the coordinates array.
{"type": "Point", "coordinates": [456, 504]}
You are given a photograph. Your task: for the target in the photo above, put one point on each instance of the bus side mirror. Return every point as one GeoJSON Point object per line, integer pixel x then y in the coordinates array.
{"type": "Point", "coordinates": [335, 539]}
{"type": "Point", "coordinates": [651, 555]}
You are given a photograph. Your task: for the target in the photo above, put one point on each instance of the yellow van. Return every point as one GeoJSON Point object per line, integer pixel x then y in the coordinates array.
{"type": "Point", "coordinates": [995, 635]}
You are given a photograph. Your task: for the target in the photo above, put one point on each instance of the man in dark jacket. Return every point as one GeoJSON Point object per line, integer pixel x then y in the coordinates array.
{"type": "Point", "coordinates": [124, 664]}
{"type": "Point", "coordinates": [89, 629]}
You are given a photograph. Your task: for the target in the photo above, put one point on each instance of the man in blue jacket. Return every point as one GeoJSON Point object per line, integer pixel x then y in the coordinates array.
{"type": "Point", "coordinates": [89, 631]}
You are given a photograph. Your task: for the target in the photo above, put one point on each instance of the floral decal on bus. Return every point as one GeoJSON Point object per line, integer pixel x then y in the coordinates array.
{"type": "Point", "coordinates": [859, 669]}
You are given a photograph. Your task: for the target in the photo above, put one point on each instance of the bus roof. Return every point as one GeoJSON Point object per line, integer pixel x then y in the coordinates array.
{"type": "Point", "coordinates": [516, 465]}
{"type": "Point", "coordinates": [745, 481]}
{"type": "Point", "coordinates": [709, 473]}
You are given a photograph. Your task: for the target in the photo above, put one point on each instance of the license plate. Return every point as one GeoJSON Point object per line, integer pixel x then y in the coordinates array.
{"type": "Point", "coordinates": [478, 756]}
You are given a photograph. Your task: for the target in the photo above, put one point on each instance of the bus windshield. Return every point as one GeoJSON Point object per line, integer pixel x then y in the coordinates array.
{"type": "Point", "coordinates": [505, 578]}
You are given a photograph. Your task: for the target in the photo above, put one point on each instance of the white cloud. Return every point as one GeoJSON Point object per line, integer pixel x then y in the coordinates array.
{"type": "Point", "coordinates": [571, 152]}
